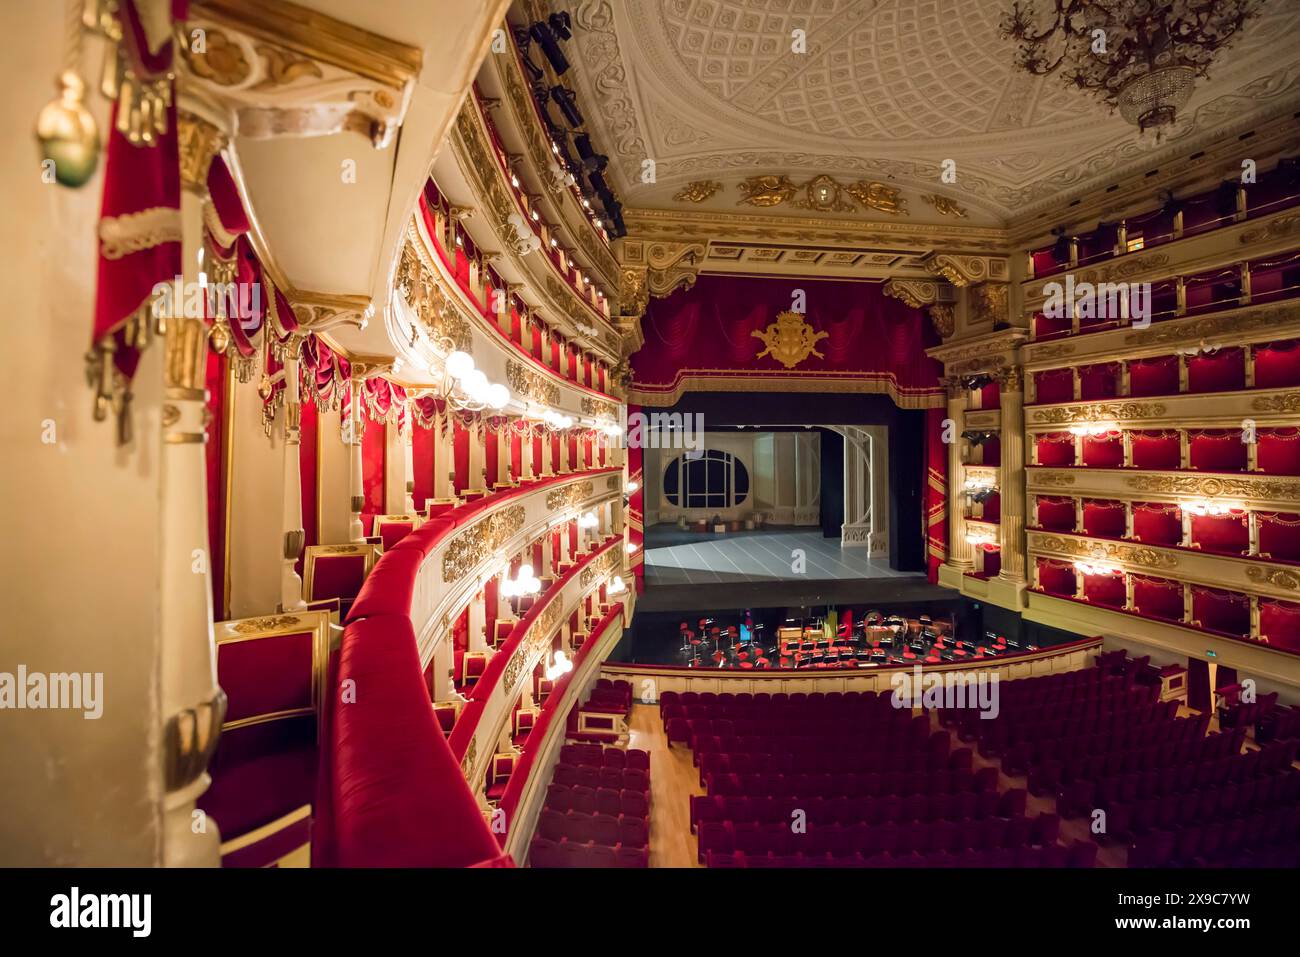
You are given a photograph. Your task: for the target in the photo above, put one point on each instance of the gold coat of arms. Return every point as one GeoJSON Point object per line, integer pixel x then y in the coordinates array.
{"type": "Point", "coordinates": [790, 339]}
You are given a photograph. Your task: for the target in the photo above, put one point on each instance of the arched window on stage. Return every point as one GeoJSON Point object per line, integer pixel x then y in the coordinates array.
{"type": "Point", "coordinates": [711, 480]}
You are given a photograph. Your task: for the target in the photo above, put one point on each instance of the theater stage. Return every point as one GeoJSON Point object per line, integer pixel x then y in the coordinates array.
{"type": "Point", "coordinates": [686, 570]}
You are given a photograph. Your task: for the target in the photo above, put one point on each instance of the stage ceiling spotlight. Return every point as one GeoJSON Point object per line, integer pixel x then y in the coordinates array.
{"type": "Point", "coordinates": [568, 105]}
{"type": "Point", "coordinates": [561, 25]}
{"type": "Point", "coordinates": [541, 33]}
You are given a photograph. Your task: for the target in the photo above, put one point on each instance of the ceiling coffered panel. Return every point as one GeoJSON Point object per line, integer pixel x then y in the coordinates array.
{"type": "Point", "coordinates": [711, 90]}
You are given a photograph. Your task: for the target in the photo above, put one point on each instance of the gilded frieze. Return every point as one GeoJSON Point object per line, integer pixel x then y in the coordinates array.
{"type": "Point", "coordinates": [569, 496]}
{"type": "Point", "coordinates": [1129, 554]}
{"type": "Point", "coordinates": [479, 541]}
{"type": "Point", "coordinates": [1098, 411]}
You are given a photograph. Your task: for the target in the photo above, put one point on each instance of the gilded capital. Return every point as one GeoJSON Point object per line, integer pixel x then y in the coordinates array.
{"type": "Point", "coordinates": [199, 142]}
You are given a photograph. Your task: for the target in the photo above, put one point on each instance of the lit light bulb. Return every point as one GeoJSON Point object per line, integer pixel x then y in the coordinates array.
{"type": "Point", "coordinates": [459, 364]}
{"type": "Point", "coordinates": [632, 487]}
{"type": "Point", "coordinates": [498, 396]}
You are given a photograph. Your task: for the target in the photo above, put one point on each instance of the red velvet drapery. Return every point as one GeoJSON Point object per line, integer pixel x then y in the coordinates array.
{"type": "Point", "coordinates": [703, 338]}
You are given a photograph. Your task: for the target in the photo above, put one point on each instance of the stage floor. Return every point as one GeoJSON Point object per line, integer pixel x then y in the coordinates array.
{"type": "Point", "coordinates": [756, 569]}
{"type": "Point", "coordinates": [676, 557]}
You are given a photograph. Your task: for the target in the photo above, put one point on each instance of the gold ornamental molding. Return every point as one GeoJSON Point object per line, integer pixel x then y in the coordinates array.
{"type": "Point", "coordinates": [483, 538]}
{"type": "Point", "coordinates": [1277, 577]}
{"type": "Point", "coordinates": [1082, 548]}
{"type": "Point", "coordinates": [441, 314]}
{"type": "Point", "coordinates": [982, 419]}
{"type": "Point", "coordinates": [1212, 487]}
{"type": "Point", "coordinates": [726, 227]}
{"type": "Point", "coordinates": [1286, 402]}
{"type": "Point", "coordinates": [823, 194]}
{"type": "Point", "coordinates": [698, 191]}
{"type": "Point", "coordinates": [967, 270]}
{"type": "Point", "coordinates": [1280, 228]}
{"type": "Point", "coordinates": [1098, 411]}
{"type": "Point", "coordinates": [570, 496]}
{"type": "Point", "coordinates": [1051, 479]}
{"type": "Point", "coordinates": [532, 385]}
{"type": "Point", "coordinates": [280, 69]}
{"type": "Point", "coordinates": [944, 206]}
{"type": "Point", "coordinates": [598, 408]}
{"type": "Point", "coordinates": [989, 303]}
{"type": "Point", "coordinates": [789, 340]}
{"type": "Point", "coordinates": [1247, 321]}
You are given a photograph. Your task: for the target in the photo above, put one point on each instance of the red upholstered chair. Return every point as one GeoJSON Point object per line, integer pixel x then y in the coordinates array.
{"type": "Point", "coordinates": [391, 529]}
{"type": "Point", "coordinates": [446, 712]}
{"type": "Point", "coordinates": [503, 765]}
{"type": "Point", "coordinates": [609, 801]}
{"type": "Point", "coordinates": [633, 803]}
{"type": "Point", "coordinates": [468, 667]}
{"type": "Point", "coordinates": [523, 722]}
{"type": "Point", "coordinates": [264, 770]}
{"type": "Point", "coordinates": [501, 632]}
{"type": "Point", "coordinates": [336, 571]}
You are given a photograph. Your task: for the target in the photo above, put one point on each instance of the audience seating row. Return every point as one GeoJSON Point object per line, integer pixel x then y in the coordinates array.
{"type": "Point", "coordinates": [597, 756]}
{"type": "Point", "coordinates": [868, 840]}
{"type": "Point", "coordinates": [632, 779]}
{"type": "Point", "coordinates": [890, 809]}
{"type": "Point", "coordinates": [1128, 820]}
{"type": "Point", "coordinates": [631, 802]}
{"type": "Point", "coordinates": [622, 830]}
{"type": "Point", "coordinates": [1081, 854]}
{"type": "Point", "coordinates": [546, 853]}
{"type": "Point", "coordinates": [1269, 838]}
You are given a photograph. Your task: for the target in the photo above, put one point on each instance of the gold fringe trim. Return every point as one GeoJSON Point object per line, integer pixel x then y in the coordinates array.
{"type": "Point", "coordinates": [121, 236]}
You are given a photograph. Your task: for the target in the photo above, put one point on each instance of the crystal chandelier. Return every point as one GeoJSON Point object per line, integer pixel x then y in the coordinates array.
{"type": "Point", "coordinates": [1140, 57]}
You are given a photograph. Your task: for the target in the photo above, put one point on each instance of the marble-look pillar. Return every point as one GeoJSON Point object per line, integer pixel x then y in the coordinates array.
{"type": "Point", "coordinates": [1012, 484]}
{"type": "Point", "coordinates": [960, 553]}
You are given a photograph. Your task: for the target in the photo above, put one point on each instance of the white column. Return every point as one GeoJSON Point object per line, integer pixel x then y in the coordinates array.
{"type": "Point", "coordinates": [356, 530]}
{"type": "Point", "coordinates": [879, 464]}
{"type": "Point", "coordinates": [408, 464]}
{"type": "Point", "coordinates": [193, 706]}
{"type": "Point", "coordinates": [1012, 486]}
{"type": "Point", "coordinates": [291, 521]}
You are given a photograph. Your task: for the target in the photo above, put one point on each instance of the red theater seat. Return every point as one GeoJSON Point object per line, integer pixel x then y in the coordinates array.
{"type": "Point", "coordinates": [336, 571]}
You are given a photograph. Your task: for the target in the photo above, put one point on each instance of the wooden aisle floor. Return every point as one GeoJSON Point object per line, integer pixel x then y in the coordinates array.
{"type": "Point", "coordinates": [673, 779]}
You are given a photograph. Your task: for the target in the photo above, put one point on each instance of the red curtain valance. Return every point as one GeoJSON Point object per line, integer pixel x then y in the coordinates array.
{"type": "Point", "coordinates": [704, 338]}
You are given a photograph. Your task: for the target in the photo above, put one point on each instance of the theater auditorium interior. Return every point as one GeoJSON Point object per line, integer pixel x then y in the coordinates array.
{"type": "Point", "coordinates": [565, 434]}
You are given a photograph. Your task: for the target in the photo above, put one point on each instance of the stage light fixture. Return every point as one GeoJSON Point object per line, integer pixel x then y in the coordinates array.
{"type": "Point", "coordinates": [568, 105]}
{"type": "Point", "coordinates": [561, 25]}
{"type": "Point", "coordinates": [544, 37]}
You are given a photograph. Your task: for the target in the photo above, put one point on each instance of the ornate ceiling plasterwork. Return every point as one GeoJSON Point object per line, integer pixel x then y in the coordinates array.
{"type": "Point", "coordinates": [886, 90]}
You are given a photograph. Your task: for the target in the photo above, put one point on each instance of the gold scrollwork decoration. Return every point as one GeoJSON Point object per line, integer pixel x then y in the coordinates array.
{"type": "Point", "coordinates": [789, 340]}
{"type": "Point", "coordinates": [480, 541]}
{"type": "Point", "coordinates": [1097, 411]}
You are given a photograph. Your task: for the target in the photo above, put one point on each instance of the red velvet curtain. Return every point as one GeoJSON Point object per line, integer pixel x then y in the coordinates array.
{"type": "Point", "coordinates": [1221, 611]}
{"type": "Point", "coordinates": [308, 469]}
{"type": "Point", "coordinates": [1279, 535]}
{"type": "Point", "coordinates": [1279, 624]}
{"type": "Point", "coordinates": [1056, 578]}
{"type": "Point", "coordinates": [1055, 513]}
{"type": "Point", "coordinates": [1277, 364]}
{"type": "Point", "coordinates": [1157, 523]}
{"type": "Point", "coordinates": [1099, 381]}
{"type": "Point", "coordinates": [862, 337]}
{"type": "Point", "coordinates": [1055, 448]}
{"type": "Point", "coordinates": [1221, 533]}
{"type": "Point", "coordinates": [1103, 451]}
{"type": "Point", "coordinates": [1104, 590]}
{"type": "Point", "coordinates": [1217, 450]}
{"type": "Point", "coordinates": [1103, 518]}
{"type": "Point", "coordinates": [423, 466]}
{"type": "Point", "coordinates": [1279, 451]}
{"type": "Point", "coordinates": [374, 461]}
{"type": "Point", "coordinates": [215, 454]}
{"type": "Point", "coordinates": [936, 493]}
{"type": "Point", "coordinates": [1156, 376]}
{"type": "Point", "coordinates": [1221, 371]}
{"type": "Point", "coordinates": [1158, 597]}
{"type": "Point", "coordinates": [1054, 385]}
{"type": "Point", "coordinates": [1155, 450]}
